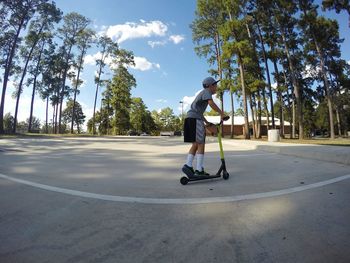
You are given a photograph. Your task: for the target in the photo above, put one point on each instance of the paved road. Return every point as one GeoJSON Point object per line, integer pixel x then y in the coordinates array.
{"type": "Point", "coordinates": [118, 199]}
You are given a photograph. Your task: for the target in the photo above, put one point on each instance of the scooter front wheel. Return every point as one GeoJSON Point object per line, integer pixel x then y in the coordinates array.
{"type": "Point", "coordinates": [225, 175]}
{"type": "Point", "coordinates": [184, 180]}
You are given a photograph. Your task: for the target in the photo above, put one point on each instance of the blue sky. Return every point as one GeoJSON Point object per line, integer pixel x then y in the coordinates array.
{"type": "Point", "coordinates": [157, 31]}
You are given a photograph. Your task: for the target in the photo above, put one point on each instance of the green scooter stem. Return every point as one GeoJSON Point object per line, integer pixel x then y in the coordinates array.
{"type": "Point", "coordinates": [220, 142]}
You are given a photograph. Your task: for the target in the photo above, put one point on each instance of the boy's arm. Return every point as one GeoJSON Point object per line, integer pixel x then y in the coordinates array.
{"type": "Point", "coordinates": [216, 108]}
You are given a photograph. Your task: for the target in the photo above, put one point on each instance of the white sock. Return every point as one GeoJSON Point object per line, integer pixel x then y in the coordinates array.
{"type": "Point", "coordinates": [189, 160]}
{"type": "Point", "coordinates": [200, 159]}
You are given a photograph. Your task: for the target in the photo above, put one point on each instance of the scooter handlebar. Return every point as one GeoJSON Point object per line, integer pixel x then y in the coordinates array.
{"type": "Point", "coordinates": [219, 124]}
{"type": "Point", "coordinates": [225, 118]}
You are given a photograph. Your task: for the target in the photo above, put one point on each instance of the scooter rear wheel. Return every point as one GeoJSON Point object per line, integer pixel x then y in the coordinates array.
{"type": "Point", "coordinates": [225, 175]}
{"type": "Point", "coordinates": [184, 180]}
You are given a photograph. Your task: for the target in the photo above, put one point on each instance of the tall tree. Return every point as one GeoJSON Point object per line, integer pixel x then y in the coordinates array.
{"type": "Point", "coordinates": [337, 5]}
{"type": "Point", "coordinates": [237, 45]}
{"type": "Point", "coordinates": [322, 37]}
{"type": "Point", "coordinates": [78, 117]}
{"type": "Point", "coordinates": [209, 17]}
{"type": "Point", "coordinates": [39, 28]}
{"type": "Point", "coordinates": [108, 47]}
{"type": "Point", "coordinates": [19, 12]}
{"type": "Point", "coordinates": [121, 86]}
{"type": "Point", "coordinates": [50, 85]}
{"type": "Point", "coordinates": [256, 21]}
{"type": "Point", "coordinates": [74, 24]}
{"type": "Point", "coordinates": [282, 11]}
{"type": "Point", "coordinates": [84, 41]}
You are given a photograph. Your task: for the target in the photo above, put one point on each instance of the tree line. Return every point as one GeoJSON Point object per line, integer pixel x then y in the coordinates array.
{"type": "Point", "coordinates": [249, 42]}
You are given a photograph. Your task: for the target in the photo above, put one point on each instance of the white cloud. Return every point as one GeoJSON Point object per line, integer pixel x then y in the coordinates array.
{"type": "Point", "coordinates": [25, 102]}
{"type": "Point", "coordinates": [187, 101]}
{"type": "Point", "coordinates": [131, 30]}
{"type": "Point", "coordinates": [176, 39]}
{"type": "Point", "coordinates": [143, 64]}
{"type": "Point", "coordinates": [162, 101]}
{"type": "Point", "coordinates": [310, 72]}
{"type": "Point", "coordinates": [274, 85]}
{"type": "Point", "coordinates": [348, 62]}
{"type": "Point", "coordinates": [88, 112]}
{"type": "Point", "coordinates": [91, 59]}
{"type": "Point", "coordinates": [156, 43]}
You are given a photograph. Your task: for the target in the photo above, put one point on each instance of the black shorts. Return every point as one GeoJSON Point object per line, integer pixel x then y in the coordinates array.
{"type": "Point", "coordinates": [194, 130]}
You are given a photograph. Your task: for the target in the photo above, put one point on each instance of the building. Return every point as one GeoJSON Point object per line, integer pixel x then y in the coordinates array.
{"type": "Point", "coordinates": [239, 125]}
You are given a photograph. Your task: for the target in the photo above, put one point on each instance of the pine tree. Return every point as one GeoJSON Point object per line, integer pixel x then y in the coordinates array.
{"type": "Point", "coordinates": [120, 88]}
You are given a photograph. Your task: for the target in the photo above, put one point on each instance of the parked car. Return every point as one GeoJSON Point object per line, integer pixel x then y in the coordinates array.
{"type": "Point", "coordinates": [144, 134]}
{"type": "Point", "coordinates": [166, 133]}
{"type": "Point", "coordinates": [133, 133]}
{"type": "Point", "coordinates": [178, 133]}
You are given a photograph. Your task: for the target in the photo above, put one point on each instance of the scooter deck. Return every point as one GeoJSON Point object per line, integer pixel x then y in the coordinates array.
{"type": "Point", "coordinates": [203, 177]}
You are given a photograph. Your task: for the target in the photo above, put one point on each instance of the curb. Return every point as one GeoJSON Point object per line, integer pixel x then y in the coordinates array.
{"type": "Point", "coordinates": [334, 154]}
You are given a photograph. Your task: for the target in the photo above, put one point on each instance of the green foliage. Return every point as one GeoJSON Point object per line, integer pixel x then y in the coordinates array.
{"type": "Point", "coordinates": [79, 117]}
{"type": "Point", "coordinates": [140, 118]}
{"type": "Point", "coordinates": [9, 121]}
{"type": "Point", "coordinates": [165, 120]}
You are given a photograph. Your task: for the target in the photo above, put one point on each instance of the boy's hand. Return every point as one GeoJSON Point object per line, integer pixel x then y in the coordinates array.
{"type": "Point", "coordinates": [211, 128]}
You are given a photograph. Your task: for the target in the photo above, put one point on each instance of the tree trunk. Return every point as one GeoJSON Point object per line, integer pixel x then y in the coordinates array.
{"type": "Point", "coordinates": [76, 88]}
{"type": "Point", "coordinates": [245, 105]}
{"type": "Point", "coordinates": [326, 86]}
{"type": "Point", "coordinates": [218, 61]}
{"type": "Point", "coordinates": [56, 117]}
{"type": "Point", "coordinates": [63, 88]}
{"type": "Point", "coordinates": [338, 121]}
{"type": "Point", "coordinates": [290, 109]}
{"type": "Point", "coordinates": [47, 115]}
{"type": "Point", "coordinates": [267, 75]}
{"type": "Point", "coordinates": [34, 88]}
{"type": "Point", "coordinates": [96, 93]}
{"type": "Point", "coordinates": [256, 117]}
{"type": "Point", "coordinates": [259, 115]}
{"type": "Point", "coordinates": [266, 109]}
{"type": "Point", "coordinates": [294, 119]}
{"type": "Point", "coordinates": [7, 74]}
{"type": "Point", "coordinates": [280, 99]}
{"type": "Point", "coordinates": [252, 113]}
{"type": "Point", "coordinates": [297, 92]}
{"type": "Point", "coordinates": [53, 119]}
{"type": "Point", "coordinates": [24, 72]}
{"type": "Point", "coordinates": [232, 116]}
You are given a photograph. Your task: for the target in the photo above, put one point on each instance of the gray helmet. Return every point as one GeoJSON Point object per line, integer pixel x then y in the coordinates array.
{"type": "Point", "coordinates": [209, 81]}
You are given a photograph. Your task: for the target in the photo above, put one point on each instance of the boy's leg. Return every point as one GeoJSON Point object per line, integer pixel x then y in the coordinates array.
{"type": "Point", "coordinates": [200, 139]}
{"type": "Point", "coordinates": [190, 136]}
{"type": "Point", "coordinates": [193, 148]}
{"type": "Point", "coordinates": [191, 154]}
{"type": "Point", "coordinates": [200, 156]}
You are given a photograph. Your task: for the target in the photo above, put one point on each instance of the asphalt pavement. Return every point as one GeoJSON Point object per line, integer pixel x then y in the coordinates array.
{"type": "Point", "coordinates": [119, 199]}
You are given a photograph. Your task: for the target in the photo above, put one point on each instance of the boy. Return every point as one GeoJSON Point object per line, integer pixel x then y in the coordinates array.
{"type": "Point", "coordinates": [194, 128]}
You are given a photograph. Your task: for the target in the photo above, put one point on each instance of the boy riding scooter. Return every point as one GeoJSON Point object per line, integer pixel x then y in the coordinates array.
{"type": "Point", "coordinates": [194, 127]}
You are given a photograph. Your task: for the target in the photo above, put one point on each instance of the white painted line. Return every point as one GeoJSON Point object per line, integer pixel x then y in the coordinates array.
{"type": "Point", "coordinates": [242, 155]}
{"type": "Point", "coordinates": [206, 200]}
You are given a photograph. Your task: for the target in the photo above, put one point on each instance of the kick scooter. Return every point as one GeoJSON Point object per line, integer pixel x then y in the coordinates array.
{"type": "Point", "coordinates": [222, 170]}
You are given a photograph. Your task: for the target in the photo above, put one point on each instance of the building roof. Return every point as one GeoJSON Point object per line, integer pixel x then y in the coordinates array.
{"type": "Point", "coordinates": [239, 120]}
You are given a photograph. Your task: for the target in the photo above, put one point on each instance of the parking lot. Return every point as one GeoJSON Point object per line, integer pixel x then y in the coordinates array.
{"type": "Point", "coordinates": [119, 199]}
